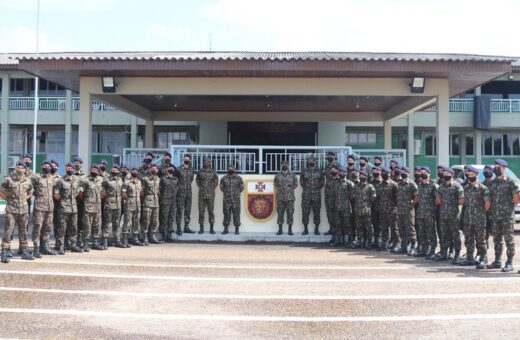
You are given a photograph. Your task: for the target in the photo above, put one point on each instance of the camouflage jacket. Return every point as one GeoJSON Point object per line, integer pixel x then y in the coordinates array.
{"type": "Point", "coordinates": [68, 189]}
{"type": "Point", "coordinates": [42, 190]}
{"type": "Point", "coordinates": [450, 193]}
{"type": "Point", "coordinates": [375, 182]}
{"type": "Point", "coordinates": [132, 188]}
{"type": "Point", "coordinates": [312, 180]}
{"type": "Point", "coordinates": [284, 185]}
{"type": "Point", "coordinates": [387, 197]}
{"type": "Point", "coordinates": [169, 186]}
{"type": "Point", "coordinates": [16, 191]}
{"type": "Point", "coordinates": [232, 186]}
{"type": "Point", "coordinates": [406, 192]}
{"type": "Point", "coordinates": [151, 185]}
{"type": "Point", "coordinates": [91, 188]}
{"type": "Point", "coordinates": [344, 192]}
{"type": "Point", "coordinates": [475, 195]}
{"type": "Point", "coordinates": [350, 171]}
{"type": "Point", "coordinates": [112, 187]}
{"type": "Point", "coordinates": [328, 178]}
{"type": "Point", "coordinates": [186, 176]}
{"type": "Point", "coordinates": [207, 181]}
{"type": "Point", "coordinates": [502, 192]}
{"type": "Point", "coordinates": [427, 193]}
{"type": "Point", "coordinates": [143, 170]}
{"type": "Point", "coordinates": [363, 195]}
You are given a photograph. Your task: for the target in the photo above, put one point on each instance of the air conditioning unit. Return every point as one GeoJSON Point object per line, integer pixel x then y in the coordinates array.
{"type": "Point", "coordinates": [11, 162]}
{"type": "Point", "coordinates": [417, 147]}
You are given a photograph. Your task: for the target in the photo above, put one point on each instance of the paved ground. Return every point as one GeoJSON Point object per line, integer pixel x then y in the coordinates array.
{"type": "Point", "coordinates": [221, 290]}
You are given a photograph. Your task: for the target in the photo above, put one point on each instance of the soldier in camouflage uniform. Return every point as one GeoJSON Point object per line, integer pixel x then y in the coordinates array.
{"type": "Point", "coordinates": [184, 196]}
{"type": "Point", "coordinates": [363, 165]}
{"type": "Point", "coordinates": [56, 213]}
{"type": "Point", "coordinates": [406, 196]}
{"type": "Point", "coordinates": [90, 193]}
{"type": "Point", "coordinates": [16, 191]}
{"type": "Point", "coordinates": [488, 180]}
{"type": "Point", "coordinates": [145, 165]}
{"type": "Point", "coordinates": [334, 178]}
{"type": "Point", "coordinates": [329, 191]}
{"type": "Point", "coordinates": [426, 214]}
{"type": "Point", "coordinates": [351, 167]}
{"type": "Point", "coordinates": [231, 185]}
{"type": "Point", "coordinates": [344, 191]}
{"type": "Point", "coordinates": [440, 182]}
{"type": "Point", "coordinates": [169, 186]}
{"type": "Point", "coordinates": [131, 194]}
{"type": "Point", "coordinates": [207, 181]}
{"type": "Point", "coordinates": [477, 200]}
{"type": "Point", "coordinates": [151, 189]}
{"type": "Point", "coordinates": [450, 198]}
{"type": "Point", "coordinates": [504, 198]}
{"type": "Point", "coordinates": [66, 190]}
{"type": "Point", "coordinates": [165, 165]}
{"type": "Point", "coordinates": [43, 185]}
{"type": "Point", "coordinates": [311, 180]}
{"type": "Point", "coordinates": [285, 183]}
{"type": "Point", "coordinates": [78, 163]}
{"type": "Point", "coordinates": [363, 197]}
{"type": "Point", "coordinates": [386, 192]}
{"type": "Point", "coordinates": [112, 187]}
{"type": "Point", "coordinates": [376, 222]}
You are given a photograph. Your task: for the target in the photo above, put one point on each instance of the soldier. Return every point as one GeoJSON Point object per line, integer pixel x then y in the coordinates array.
{"type": "Point", "coordinates": [165, 164]}
{"type": "Point", "coordinates": [417, 175]}
{"type": "Point", "coordinates": [112, 187]}
{"type": "Point", "coordinates": [417, 180]}
{"type": "Point", "coordinates": [231, 185]}
{"type": "Point", "coordinates": [351, 166]}
{"type": "Point", "coordinates": [43, 185]}
{"type": "Point", "coordinates": [450, 198]}
{"type": "Point", "coordinates": [207, 181]}
{"type": "Point", "coordinates": [387, 199]}
{"type": "Point", "coordinates": [90, 193]}
{"type": "Point", "coordinates": [406, 196]}
{"type": "Point", "coordinates": [363, 165]}
{"type": "Point", "coordinates": [151, 189]}
{"type": "Point", "coordinates": [393, 164]}
{"type": "Point", "coordinates": [16, 191]}
{"type": "Point", "coordinates": [78, 163]}
{"type": "Point", "coordinates": [329, 191]}
{"type": "Point", "coordinates": [376, 222]}
{"type": "Point", "coordinates": [66, 190]}
{"type": "Point", "coordinates": [378, 162]}
{"type": "Point", "coordinates": [285, 183]}
{"type": "Point", "coordinates": [145, 165]}
{"type": "Point", "coordinates": [334, 178]}
{"type": "Point", "coordinates": [504, 199]}
{"type": "Point", "coordinates": [311, 180]}
{"type": "Point", "coordinates": [131, 194]}
{"type": "Point", "coordinates": [169, 185]}
{"type": "Point", "coordinates": [477, 201]}
{"type": "Point", "coordinates": [488, 180]}
{"type": "Point", "coordinates": [343, 222]}
{"type": "Point", "coordinates": [363, 197]}
{"type": "Point", "coordinates": [186, 176]}
{"type": "Point", "coordinates": [56, 213]}
{"type": "Point", "coordinates": [103, 168]}
{"type": "Point", "coordinates": [124, 177]}
{"type": "Point", "coordinates": [426, 214]}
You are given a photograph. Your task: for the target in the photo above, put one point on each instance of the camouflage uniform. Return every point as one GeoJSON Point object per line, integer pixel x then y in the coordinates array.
{"type": "Point", "coordinates": [16, 210]}
{"type": "Point", "coordinates": [231, 186]}
{"type": "Point", "coordinates": [68, 189]}
{"type": "Point", "coordinates": [91, 187]}
{"type": "Point", "coordinates": [426, 215]}
{"type": "Point", "coordinates": [79, 175]}
{"type": "Point", "coordinates": [43, 208]}
{"type": "Point", "coordinates": [363, 196]}
{"type": "Point", "coordinates": [406, 192]}
{"type": "Point", "coordinates": [330, 194]}
{"type": "Point", "coordinates": [376, 221]}
{"type": "Point", "coordinates": [285, 183]}
{"type": "Point", "coordinates": [132, 188]}
{"type": "Point", "coordinates": [387, 200]}
{"type": "Point", "coordinates": [312, 181]}
{"type": "Point", "coordinates": [487, 182]}
{"type": "Point", "coordinates": [475, 196]}
{"type": "Point", "coordinates": [207, 181]}
{"type": "Point", "coordinates": [503, 215]}
{"type": "Point", "coordinates": [184, 195]}
{"type": "Point", "coordinates": [450, 193]}
{"type": "Point", "coordinates": [343, 226]}
{"type": "Point", "coordinates": [169, 185]}
{"type": "Point", "coordinates": [112, 187]}
{"type": "Point", "coordinates": [150, 211]}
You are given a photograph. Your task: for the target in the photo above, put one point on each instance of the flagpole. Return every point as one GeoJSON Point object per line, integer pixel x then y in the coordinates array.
{"type": "Point", "coordinates": [36, 90]}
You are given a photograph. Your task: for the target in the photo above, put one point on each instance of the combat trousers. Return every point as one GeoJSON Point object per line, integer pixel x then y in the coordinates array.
{"type": "Point", "coordinates": [91, 226]}
{"type": "Point", "coordinates": [428, 233]}
{"type": "Point", "coordinates": [342, 223]}
{"type": "Point", "coordinates": [450, 233]}
{"type": "Point", "coordinates": [231, 208]}
{"type": "Point", "coordinates": [112, 218]}
{"type": "Point", "coordinates": [376, 224]}
{"type": "Point", "coordinates": [207, 203]}
{"type": "Point", "coordinates": [184, 206]}
{"type": "Point", "coordinates": [42, 226]}
{"type": "Point", "coordinates": [307, 205]}
{"type": "Point", "coordinates": [168, 214]}
{"type": "Point", "coordinates": [11, 221]}
{"type": "Point", "coordinates": [329, 206]}
{"type": "Point", "coordinates": [503, 230]}
{"type": "Point", "coordinates": [281, 208]}
{"type": "Point", "coordinates": [475, 234]}
{"type": "Point", "coordinates": [131, 223]}
{"type": "Point", "coordinates": [364, 227]}
{"type": "Point", "coordinates": [388, 228]}
{"type": "Point", "coordinates": [67, 226]}
{"type": "Point", "coordinates": [405, 224]}
{"type": "Point", "coordinates": [150, 220]}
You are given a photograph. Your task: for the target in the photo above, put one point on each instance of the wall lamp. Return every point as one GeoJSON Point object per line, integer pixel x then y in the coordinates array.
{"type": "Point", "coordinates": [108, 83]}
{"type": "Point", "coordinates": [417, 84]}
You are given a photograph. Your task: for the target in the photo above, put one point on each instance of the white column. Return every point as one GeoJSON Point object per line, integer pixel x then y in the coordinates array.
{"type": "Point", "coordinates": [85, 128]}
{"type": "Point", "coordinates": [411, 142]}
{"type": "Point", "coordinates": [4, 121]}
{"type": "Point", "coordinates": [443, 127]}
{"type": "Point", "coordinates": [133, 133]}
{"type": "Point", "coordinates": [478, 146]}
{"type": "Point", "coordinates": [387, 132]}
{"type": "Point", "coordinates": [68, 126]}
{"type": "Point", "coordinates": [148, 134]}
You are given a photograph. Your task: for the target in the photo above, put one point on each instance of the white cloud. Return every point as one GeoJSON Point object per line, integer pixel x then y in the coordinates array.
{"type": "Point", "coordinates": [175, 37]}
{"type": "Point", "coordinates": [62, 5]}
{"type": "Point", "coordinates": [23, 39]}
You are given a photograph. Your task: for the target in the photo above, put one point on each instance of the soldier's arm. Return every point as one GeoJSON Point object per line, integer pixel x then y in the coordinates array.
{"type": "Point", "coordinates": [487, 198]}
{"type": "Point", "coordinates": [222, 184]}
{"type": "Point", "coordinates": [322, 180]}
{"type": "Point", "coordinates": [516, 193]}
{"type": "Point", "coordinates": [198, 180]}
{"type": "Point", "coordinates": [29, 192]}
{"type": "Point", "coordinates": [215, 180]}
{"type": "Point", "coordinates": [56, 191]}
{"type": "Point", "coordinates": [295, 182]}
{"type": "Point", "coordinates": [373, 194]}
{"type": "Point", "coordinates": [461, 195]}
{"type": "Point", "coordinates": [241, 184]}
{"type": "Point", "coordinates": [3, 193]}
{"type": "Point", "coordinates": [438, 200]}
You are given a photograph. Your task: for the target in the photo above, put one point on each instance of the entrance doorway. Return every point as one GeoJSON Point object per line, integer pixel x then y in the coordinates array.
{"type": "Point", "coordinates": [266, 133]}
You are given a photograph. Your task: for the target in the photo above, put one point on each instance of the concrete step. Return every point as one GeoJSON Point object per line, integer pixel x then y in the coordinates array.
{"type": "Point", "coordinates": [252, 237]}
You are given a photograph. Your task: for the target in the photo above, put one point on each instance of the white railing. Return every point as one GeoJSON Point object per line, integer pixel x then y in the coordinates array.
{"type": "Point", "coordinates": [53, 104]}
{"type": "Point", "coordinates": [466, 105]}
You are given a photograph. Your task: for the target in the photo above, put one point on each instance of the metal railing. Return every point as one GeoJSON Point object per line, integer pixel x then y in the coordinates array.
{"type": "Point", "coordinates": [386, 155]}
{"type": "Point", "coordinates": [53, 104]}
{"type": "Point", "coordinates": [134, 157]}
{"type": "Point", "coordinates": [466, 105]}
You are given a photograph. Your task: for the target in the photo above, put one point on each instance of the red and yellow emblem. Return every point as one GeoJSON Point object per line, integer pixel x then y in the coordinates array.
{"type": "Point", "coordinates": [260, 199]}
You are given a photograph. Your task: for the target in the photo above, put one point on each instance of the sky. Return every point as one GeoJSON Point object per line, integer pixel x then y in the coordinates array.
{"type": "Point", "coordinates": [426, 26]}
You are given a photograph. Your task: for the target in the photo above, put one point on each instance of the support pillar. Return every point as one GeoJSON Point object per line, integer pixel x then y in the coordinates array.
{"type": "Point", "coordinates": [443, 127]}
{"type": "Point", "coordinates": [68, 126]}
{"type": "Point", "coordinates": [148, 134]}
{"type": "Point", "coordinates": [411, 142]}
{"type": "Point", "coordinates": [4, 121]}
{"type": "Point", "coordinates": [478, 146]}
{"type": "Point", "coordinates": [133, 133]}
{"type": "Point", "coordinates": [85, 128]}
{"type": "Point", "coordinates": [387, 132]}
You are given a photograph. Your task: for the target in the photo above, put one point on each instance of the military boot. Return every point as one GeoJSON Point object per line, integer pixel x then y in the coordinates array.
{"type": "Point", "coordinates": [201, 230]}
{"type": "Point", "coordinates": [145, 240]}
{"type": "Point", "coordinates": [58, 244]}
{"type": "Point", "coordinates": [105, 243]}
{"type": "Point", "coordinates": [451, 254]}
{"type": "Point", "coordinates": [153, 239]}
{"type": "Point", "coordinates": [75, 249]}
{"type": "Point", "coordinates": [179, 230]}
{"type": "Point", "coordinates": [125, 242]}
{"type": "Point", "coordinates": [442, 255]}
{"type": "Point", "coordinates": [237, 231]}
{"type": "Point", "coordinates": [226, 230]}
{"type": "Point", "coordinates": [187, 230]}
{"type": "Point", "coordinates": [508, 266]}
{"type": "Point", "coordinates": [36, 251]}
{"type": "Point", "coordinates": [482, 263]}
{"type": "Point", "coordinates": [469, 261]}
{"type": "Point", "coordinates": [332, 240]}
{"type": "Point", "coordinates": [497, 264]}
{"type": "Point", "coordinates": [46, 250]}
{"type": "Point", "coordinates": [4, 256]}
{"type": "Point", "coordinates": [26, 255]}
{"type": "Point", "coordinates": [305, 230]}
{"type": "Point", "coordinates": [290, 233]}
{"type": "Point", "coordinates": [316, 229]}
{"type": "Point", "coordinates": [96, 245]}
{"type": "Point", "coordinates": [119, 244]}
{"type": "Point", "coordinates": [456, 257]}
{"type": "Point", "coordinates": [329, 232]}
{"type": "Point", "coordinates": [280, 231]}
{"type": "Point", "coordinates": [60, 250]}
{"type": "Point", "coordinates": [211, 230]}
{"type": "Point", "coordinates": [86, 247]}
{"type": "Point", "coordinates": [135, 240]}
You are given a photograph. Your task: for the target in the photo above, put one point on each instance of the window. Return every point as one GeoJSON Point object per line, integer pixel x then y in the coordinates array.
{"type": "Point", "coordinates": [430, 147]}
{"type": "Point", "coordinates": [455, 145]}
{"type": "Point", "coordinates": [469, 145]}
{"type": "Point", "coordinates": [361, 138]}
{"type": "Point", "coordinates": [109, 142]}
{"type": "Point", "coordinates": [488, 145]}
{"type": "Point", "coordinates": [166, 139]}
{"type": "Point", "coordinates": [501, 144]}
{"type": "Point", "coordinates": [16, 140]}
